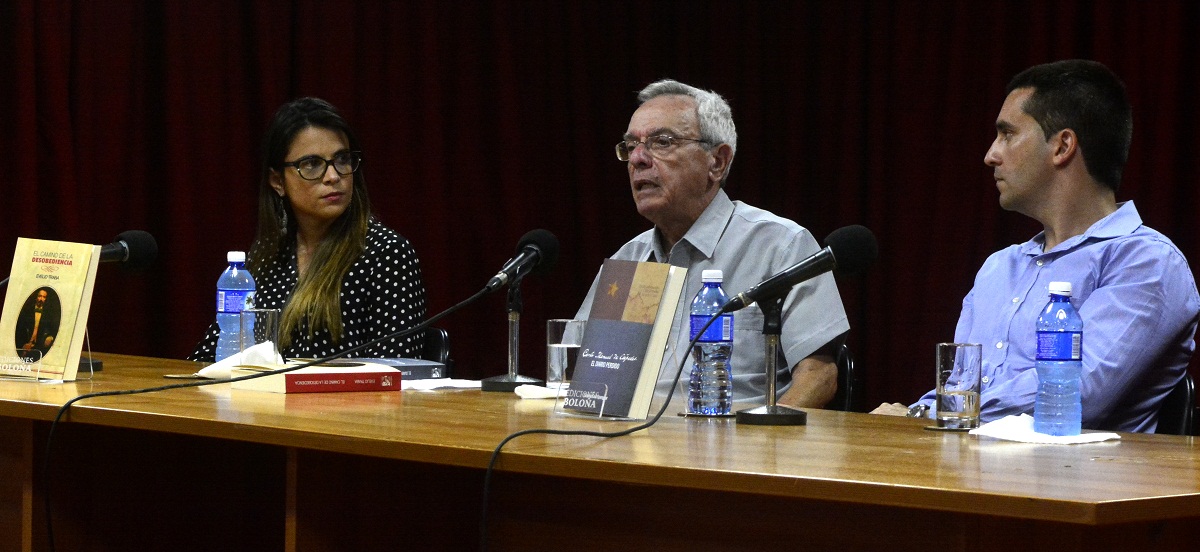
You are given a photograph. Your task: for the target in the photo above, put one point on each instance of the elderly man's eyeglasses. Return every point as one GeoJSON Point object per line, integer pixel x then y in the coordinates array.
{"type": "Point", "coordinates": [656, 144]}
{"type": "Point", "coordinates": [313, 167]}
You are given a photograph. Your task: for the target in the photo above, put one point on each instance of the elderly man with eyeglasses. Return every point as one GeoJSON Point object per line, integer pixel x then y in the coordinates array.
{"type": "Point", "coordinates": [678, 149]}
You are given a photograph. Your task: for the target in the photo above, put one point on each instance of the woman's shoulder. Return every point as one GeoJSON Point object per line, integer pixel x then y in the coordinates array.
{"type": "Point", "coordinates": [267, 259]}
{"type": "Point", "coordinates": [382, 238]}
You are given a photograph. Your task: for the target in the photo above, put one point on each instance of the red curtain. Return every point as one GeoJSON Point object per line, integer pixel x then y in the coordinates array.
{"type": "Point", "coordinates": [481, 121]}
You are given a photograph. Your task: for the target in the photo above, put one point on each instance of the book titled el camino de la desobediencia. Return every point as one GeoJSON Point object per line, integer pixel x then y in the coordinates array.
{"type": "Point", "coordinates": [46, 308]}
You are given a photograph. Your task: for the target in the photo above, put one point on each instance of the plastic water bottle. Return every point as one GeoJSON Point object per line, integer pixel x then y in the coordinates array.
{"type": "Point", "coordinates": [710, 388]}
{"type": "Point", "coordinates": [235, 291]}
{"type": "Point", "coordinates": [1057, 409]}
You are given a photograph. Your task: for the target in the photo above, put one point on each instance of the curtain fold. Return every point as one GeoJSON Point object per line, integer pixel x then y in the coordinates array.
{"type": "Point", "coordinates": [481, 121]}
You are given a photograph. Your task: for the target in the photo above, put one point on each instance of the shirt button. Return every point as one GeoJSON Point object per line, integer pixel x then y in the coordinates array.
{"type": "Point", "coordinates": [999, 344]}
{"type": "Point", "coordinates": [1039, 263]}
{"type": "Point", "coordinates": [985, 379]}
{"type": "Point", "coordinates": [1016, 299]}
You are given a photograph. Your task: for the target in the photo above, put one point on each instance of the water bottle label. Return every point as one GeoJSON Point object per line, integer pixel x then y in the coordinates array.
{"type": "Point", "coordinates": [1059, 345]}
{"type": "Point", "coordinates": [720, 330]}
{"type": "Point", "coordinates": [234, 300]}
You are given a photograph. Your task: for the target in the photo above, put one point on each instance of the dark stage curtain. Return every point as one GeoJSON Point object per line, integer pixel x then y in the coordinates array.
{"type": "Point", "coordinates": [483, 120]}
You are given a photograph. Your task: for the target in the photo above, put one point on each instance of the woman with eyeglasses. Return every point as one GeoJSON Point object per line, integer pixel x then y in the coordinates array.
{"type": "Point", "coordinates": [340, 277]}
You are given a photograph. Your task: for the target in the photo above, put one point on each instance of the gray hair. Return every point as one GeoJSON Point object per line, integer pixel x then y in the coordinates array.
{"type": "Point", "coordinates": [713, 113]}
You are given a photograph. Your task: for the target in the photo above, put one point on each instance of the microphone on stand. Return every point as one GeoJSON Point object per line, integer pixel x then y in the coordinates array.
{"type": "Point", "coordinates": [848, 249]}
{"type": "Point", "coordinates": [135, 250]}
{"type": "Point", "coordinates": [537, 251]}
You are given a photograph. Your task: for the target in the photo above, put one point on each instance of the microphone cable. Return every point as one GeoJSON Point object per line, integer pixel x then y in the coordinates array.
{"type": "Point", "coordinates": [67, 405]}
{"type": "Point", "coordinates": [487, 476]}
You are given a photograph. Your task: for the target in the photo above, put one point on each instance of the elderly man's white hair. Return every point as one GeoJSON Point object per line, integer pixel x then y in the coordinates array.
{"type": "Point", "coordinates": [713, 112]}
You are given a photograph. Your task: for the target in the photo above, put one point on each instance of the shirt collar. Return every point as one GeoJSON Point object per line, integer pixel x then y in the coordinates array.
{"type": "Point", "coordinates": [705, 232]}
{"type": "Point", "coordinates": [1125, 220]}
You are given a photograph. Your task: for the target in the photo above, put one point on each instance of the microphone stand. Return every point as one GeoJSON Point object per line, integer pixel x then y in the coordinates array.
{"type": "Point", "coordinates": [771, 413]}
{"type": "Point", "coordinates": [512, 380]}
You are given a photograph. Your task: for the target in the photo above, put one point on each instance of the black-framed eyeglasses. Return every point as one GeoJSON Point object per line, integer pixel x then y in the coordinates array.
{"type": "Point", "coordinates": [661, 143]}
{"type": "Point", "coordinates": [313, 167]}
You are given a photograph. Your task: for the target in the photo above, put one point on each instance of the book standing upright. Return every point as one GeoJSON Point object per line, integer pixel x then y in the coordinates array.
{"type": "Point", "coordinates": [623, 344]}
{"type": "Point", "coordinates": [46, 307]}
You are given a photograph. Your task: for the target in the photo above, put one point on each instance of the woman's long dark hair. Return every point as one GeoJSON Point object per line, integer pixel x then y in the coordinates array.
{"type": "Point", "coordinates": [315, 304]}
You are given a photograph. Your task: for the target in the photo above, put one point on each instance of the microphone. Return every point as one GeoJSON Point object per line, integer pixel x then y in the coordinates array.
{"type": "Point", "coordinates": [135, 248]}
{"type": "Point", "coordinates": [848, 249]}
{"type": "Point", "coordinates": [537, 250]}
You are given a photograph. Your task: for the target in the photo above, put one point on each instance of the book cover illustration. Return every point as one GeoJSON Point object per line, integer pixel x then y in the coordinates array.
{"type": "Point", "coordinates": [46, 308]}
{"type": "Point", "coordinates": [622, 346]}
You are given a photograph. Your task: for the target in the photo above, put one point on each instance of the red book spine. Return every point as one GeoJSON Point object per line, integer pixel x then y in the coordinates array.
{"type": "Point", "coordinates": [349, 381]}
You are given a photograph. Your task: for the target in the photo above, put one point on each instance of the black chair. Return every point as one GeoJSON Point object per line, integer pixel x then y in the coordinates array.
{"type": "Point", "coordinates": [437, 347]}
{"type": "Point", "coordinates": [1177, 415]}
{"type": "Point", "coordinates": [849, 396]}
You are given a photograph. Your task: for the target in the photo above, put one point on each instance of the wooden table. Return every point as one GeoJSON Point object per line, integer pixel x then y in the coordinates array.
{"type": "Point", "coordinates": [216, 469]}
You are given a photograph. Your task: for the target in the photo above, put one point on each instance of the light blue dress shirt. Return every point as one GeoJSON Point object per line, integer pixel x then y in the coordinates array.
{"type": "Point", "coordinates": [1139, 305]}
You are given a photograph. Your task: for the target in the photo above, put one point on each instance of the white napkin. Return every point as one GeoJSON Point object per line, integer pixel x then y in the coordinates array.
{"type": "Point", "coordinates": [257, 354]}
{"type": "Point", "coordinates": [438, 383]}
{"type": "Point", "coordinates": [539, 392]}
{"type": "Point", "coordinates": [1020, 428]}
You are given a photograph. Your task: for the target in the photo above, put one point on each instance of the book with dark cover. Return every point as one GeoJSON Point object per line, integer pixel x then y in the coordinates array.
{"type": "Point", "coordinates": [626, 334]}
{"type": "Point", "coordinates": [46, 308]}
{"type": "Point", "coordinates": [410, 368]}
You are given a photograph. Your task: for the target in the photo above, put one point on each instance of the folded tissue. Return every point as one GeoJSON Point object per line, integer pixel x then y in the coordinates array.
{"type": "Point", "coordinates": [1020, 428]}
{"type": "Point", "coordinates": [262, 354]}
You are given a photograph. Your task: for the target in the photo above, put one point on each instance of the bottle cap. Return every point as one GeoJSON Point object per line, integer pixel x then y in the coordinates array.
{"type": "Point", "coordinates": [712, 276]}
{"type": "Point", "coordinates": [236, 256]}
{"type": "Point", "coordinates": [1060, 288]}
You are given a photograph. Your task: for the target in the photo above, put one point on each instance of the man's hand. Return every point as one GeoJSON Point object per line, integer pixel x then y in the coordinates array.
{"type": "Point", "coordinates": [891, 409]}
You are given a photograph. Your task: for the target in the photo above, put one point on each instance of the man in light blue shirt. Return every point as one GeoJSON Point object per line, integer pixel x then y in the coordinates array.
{"type": "Point", "coordinates": [1062, 139]}
{"type": "Point", "coordinates": [678, 149]}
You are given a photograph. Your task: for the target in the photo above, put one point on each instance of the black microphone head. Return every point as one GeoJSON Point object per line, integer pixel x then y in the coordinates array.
{"type": "Point", "coordinates": [547, 246]}
{"type": "Point", "coordinates": [143, 249]}
{"type": "Point", "coordinates": [854, 248]}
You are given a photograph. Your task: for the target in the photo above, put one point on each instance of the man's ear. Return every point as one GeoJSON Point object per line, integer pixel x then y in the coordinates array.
{"type": "Point", "coordinates": [719, 162]}
{"type": "Point", "coordinates": [1065, 144]}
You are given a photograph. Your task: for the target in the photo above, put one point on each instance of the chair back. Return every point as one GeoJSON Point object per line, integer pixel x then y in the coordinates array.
{"type": "Point", "coordinates": [849, 396]}
{"type": "Point", "coordinates": [1177, 415]}
{"type": "Point", "coordinates": [437, 347]}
